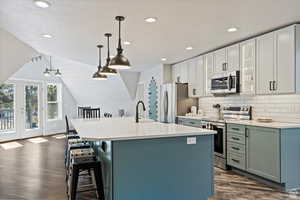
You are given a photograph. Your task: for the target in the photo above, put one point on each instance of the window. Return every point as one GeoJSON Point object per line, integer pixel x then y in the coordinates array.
{"type": "Point", "coordinates": [7, 93]}
{"type": "Point", "coordinates": [54, 101]}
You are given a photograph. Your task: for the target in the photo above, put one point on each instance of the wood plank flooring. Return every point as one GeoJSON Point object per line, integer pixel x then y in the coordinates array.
{"type": "Point", "coordinates": [36, 172]}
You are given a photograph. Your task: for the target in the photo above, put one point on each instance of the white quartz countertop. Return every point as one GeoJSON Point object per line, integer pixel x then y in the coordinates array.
{"type": "Point", "coordinates": [127, 129]}
{"type": "Point", "coordinates": [274, 124]}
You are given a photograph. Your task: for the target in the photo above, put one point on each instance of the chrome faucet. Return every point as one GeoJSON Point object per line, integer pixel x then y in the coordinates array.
{"type": "Point", "coordinates": [137, 110]}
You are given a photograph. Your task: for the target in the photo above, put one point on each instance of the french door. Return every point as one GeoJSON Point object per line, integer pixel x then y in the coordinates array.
{"type": "Point", "coordinates": [21, 113]}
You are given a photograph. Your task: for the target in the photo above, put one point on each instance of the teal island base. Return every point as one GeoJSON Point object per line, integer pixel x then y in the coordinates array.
{"type": "Point", "coordinates": [162, 169]}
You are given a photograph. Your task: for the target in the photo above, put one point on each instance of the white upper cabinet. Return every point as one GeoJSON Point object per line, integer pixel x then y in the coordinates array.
{"type": "Point", "coordinates": [196, 77]}
{"type": "Point", "coordinates": [248, 61]}
{"type": "Point", "coordinates": [233, 58]}
{"type": "Point", "coordinates": [220, 61]}
{"type": "Point", "coordinates": [265, 64]}
{"type": "Point", "coordinates": [276, 62]}
{"type": "Point", "coordinates": [176, 73]}
{"type": "Point", "coordinates": [180, 72]}
{"type": "Point", "coordinates": [192, 75]}
{"type": "Point", "coordinates": [285, 61]}
{"type": "Point", "coordinates": [184, 72]}
{"type": "Point", "coordinates": [209, 72]}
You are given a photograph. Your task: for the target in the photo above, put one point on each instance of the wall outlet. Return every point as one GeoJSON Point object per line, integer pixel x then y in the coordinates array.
{"type": "Point", "coordinates": [191, 140]}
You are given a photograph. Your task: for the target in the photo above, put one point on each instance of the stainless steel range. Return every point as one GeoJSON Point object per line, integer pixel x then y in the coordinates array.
{"type": "Point", "coordinates": [219, 125]}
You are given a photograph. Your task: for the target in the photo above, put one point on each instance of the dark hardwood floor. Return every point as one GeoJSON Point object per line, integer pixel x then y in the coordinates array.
{"type": "Point", "coordinates": [36, 172]}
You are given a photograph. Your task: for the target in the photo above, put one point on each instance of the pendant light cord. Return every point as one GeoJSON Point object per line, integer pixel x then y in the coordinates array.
{"type": "Point", "coordinates": [108, 55]}
{"type": "Point", "coordinates": [120, 50]}
{"type": "Point", "coordinates": [99, 67]}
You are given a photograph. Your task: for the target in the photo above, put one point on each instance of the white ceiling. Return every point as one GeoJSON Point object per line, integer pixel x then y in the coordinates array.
{"type": "Point", "coordinates": [78, 26]}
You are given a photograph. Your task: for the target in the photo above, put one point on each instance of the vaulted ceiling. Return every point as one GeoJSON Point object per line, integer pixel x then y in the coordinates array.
{"type": "Point", "coordinates": [78, 26]}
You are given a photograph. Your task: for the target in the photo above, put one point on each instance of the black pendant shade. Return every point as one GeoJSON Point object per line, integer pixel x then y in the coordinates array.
{"type": "Point", "coordinates": [97, 75]}
{"type": "Point", "coordinates": [119, 61]}
{"type": "Point", "coordinates": [106, 70]}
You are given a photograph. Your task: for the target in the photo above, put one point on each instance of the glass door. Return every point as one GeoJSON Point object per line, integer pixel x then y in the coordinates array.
{"type": "Point", "coordinates": [7, 112]}
{"type": "Point", "coordinates": [30, 106]}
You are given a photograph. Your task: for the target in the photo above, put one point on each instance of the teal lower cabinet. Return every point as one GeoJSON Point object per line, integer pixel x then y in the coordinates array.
{"type": "Point", "coordinates": [263, 152]}
{"type": "Point", "coordinates": [269, 153]}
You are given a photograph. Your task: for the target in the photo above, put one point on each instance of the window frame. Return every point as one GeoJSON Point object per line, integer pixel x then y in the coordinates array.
{"type": "Point", "coordinates": [58, 101]}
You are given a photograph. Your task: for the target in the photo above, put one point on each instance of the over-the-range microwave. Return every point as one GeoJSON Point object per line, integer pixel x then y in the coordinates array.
{"type": "Point", "coordinates": [226, 83]}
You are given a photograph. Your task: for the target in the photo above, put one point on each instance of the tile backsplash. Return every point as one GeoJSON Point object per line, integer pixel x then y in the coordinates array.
{"type": "Point", "coordinates": [285, 108]}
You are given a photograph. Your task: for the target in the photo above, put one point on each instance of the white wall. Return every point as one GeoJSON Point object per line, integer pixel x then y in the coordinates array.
{"type": "Point", "coordinates": [284, 108]}
{"type": "Point", "coordinates": [13, 54]}
{"type": "Point", "coordinates": [34, 71]}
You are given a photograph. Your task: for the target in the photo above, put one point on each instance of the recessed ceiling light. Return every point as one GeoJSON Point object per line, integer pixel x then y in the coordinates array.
{"type": "Point", "coordinates": [47, 36]}
{"type": "Point", "coordinates": [42, 3]}
{"type": "Point", "coordinates": [232, 29]}
{"type": "Point", "coordinates": [163, 59]}
{"type": "Point", "coordinates": [189, 48]}
{"type": "Point", "coordinates": [127, 43]}
{"type": "Point", "coordinates": [150, 19]}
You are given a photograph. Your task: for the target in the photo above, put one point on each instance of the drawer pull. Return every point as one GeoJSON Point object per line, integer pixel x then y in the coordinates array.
{"type": "Point", "coordinates": [192, 122]}
{"type": "Point", "coordinates": [235, 148]}
{"type": "Point", "coordinates": [235, 138]}
{"type": "Point", "coordinates": [236, 129]}
{"type": "Point", "coordinates": [234, 160]}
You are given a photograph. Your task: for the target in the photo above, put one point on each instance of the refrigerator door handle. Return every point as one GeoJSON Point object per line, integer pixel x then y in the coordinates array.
{"type": "Point", "coordinates": [166, 106]}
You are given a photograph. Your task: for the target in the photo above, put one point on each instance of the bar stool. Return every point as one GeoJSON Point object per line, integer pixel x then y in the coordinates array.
{"type": "Point", "coordinates": [80, 164]}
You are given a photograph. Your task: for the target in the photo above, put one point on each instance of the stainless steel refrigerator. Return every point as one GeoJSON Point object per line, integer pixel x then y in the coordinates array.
{"type": "Point", "coordinates": [175, 101]}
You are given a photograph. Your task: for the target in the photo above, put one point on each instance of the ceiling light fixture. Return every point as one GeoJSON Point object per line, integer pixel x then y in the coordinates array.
{"type": "Point", "coordinates": [119, 61]}
{"type": "Point", "coordinates": [97, 75]}
{"type": "Point", "coordinates": [51, 71]}
{"type": "Point", "coordinates": [47, 36]}
{"type": "Point", "coordinates": [189, 48]}
{"type": "Point", "coordinates": [106, 70]}
{"type": "Point", "coordinates": [127, 43]}
{"type": "Point", "coordinates": [150, 19]}
{"type": "Point", "coordinates": [232, 29]}
{"type": "Point", "coordinates": [42, 3]}
{"type": "Point", "coordinates": [163, 59]}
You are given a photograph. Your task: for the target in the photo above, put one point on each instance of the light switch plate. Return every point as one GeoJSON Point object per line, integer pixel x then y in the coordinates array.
{"type": "Point", "coordinates": [191, 140]}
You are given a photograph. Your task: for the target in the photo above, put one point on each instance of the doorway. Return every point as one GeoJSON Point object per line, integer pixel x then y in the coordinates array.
{"type": "Point", "coordinates": [21, 105]}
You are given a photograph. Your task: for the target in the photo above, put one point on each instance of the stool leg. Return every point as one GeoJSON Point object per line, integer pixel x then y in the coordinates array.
{"type": "Point", "coordinates": [99, 182]}
{"type": "Point", "coordinates": [74, 183]}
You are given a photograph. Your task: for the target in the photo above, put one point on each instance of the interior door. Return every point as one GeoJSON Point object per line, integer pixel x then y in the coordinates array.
{"type": "Point", "coordinates": [30, 123]}
{"type": "Point", "coordinates": [265, 64]}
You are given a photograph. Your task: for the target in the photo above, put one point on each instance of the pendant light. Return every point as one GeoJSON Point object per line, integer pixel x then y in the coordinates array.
{"type": "Point", "coordinates": [49, 71]}
{"type": "Point", "coordinates": [119, 61]}
{"type": "Point", "coordinates": [97, 75]}
{"type": "Point", "coordinates": [106, 70]}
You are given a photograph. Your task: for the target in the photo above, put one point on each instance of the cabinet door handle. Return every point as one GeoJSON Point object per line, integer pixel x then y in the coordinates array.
{"type": "Point", "coordinates": [247, 133]}
{"type": "Point", "coordinates": [270, 85]}
{"type": "Point", "coordinates": [235, 138]}
{"type": "Point", "coordinates": [236, 129]}
{"type": "Point", "coordinates": [274, 85]}
{"type": "Point", "coordinates": [234, 160]}
{"type": "Point", "coordinates": [235, 148]}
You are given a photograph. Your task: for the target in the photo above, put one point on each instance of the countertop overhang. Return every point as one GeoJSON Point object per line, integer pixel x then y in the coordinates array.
{"type": "Point", "coordinates": [127, 129]}
{"type": "Point", "coordinates": [274, 124]}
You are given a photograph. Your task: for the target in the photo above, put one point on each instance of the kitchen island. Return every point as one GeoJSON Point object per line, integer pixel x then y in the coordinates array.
{"type": "Point", "coordinates": [151, 160]}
